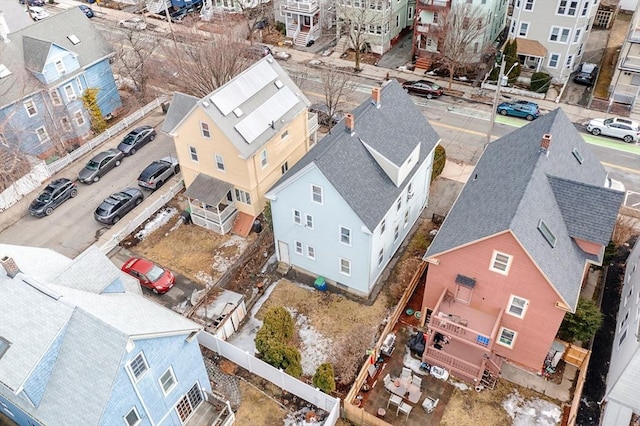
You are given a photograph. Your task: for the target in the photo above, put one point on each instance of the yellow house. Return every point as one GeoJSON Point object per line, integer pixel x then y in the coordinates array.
{"type": "Point", "coordinates": [236, 142]}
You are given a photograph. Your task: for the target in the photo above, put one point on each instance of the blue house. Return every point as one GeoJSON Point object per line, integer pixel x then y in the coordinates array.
{"type": "Point", "coordinates": [44, 70]}
{"type": "Point", "coordinates": [342, 211]}
{"type": "Point", "coordinates": [80, 345]}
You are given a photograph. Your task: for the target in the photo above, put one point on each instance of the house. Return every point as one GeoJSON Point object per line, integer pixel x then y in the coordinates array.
{"type": "Point", "coordinates": [344, 209]}
{"type": "Point", "coordinates": [551, 39]}
{"type": "Point", "coordinates": [376, 24]}
{"type": "Point", "coordinates": [429, 31]}
{"type": "Point", "coordinates": [303, 20]}
{"type": "Point", "coordinates": [509, 259]}
{"type": "Point", "coordinates": [236, 142]}
{"type": "Point", "coordinates": [80, 345]}
{"type": "Point", "coordinates": [626, 77]}
{"type": "Point", "coordinates": [623, 381]}
{"type": "Point", "coordinates": [45, 69]}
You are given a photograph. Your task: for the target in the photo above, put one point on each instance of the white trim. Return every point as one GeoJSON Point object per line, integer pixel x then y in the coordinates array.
{"type": "Point", "coordinates": [296, 245]}
{"type": "Point", "coordinates": [308, 219]}
{"type": "Point", "coordinates": [349, 235]}
{"type": "Point", "coordinates": [193, 152]}
{"type": "Point", "coordinates": [311, 252]}
{"type": "Point", "coordinates": [203, 130]}
{"type": "Point", "coordinates": [57, 96]}
{"type": "Point", "coordinates": [173, 378]}
{"type": "Point", "coordinates": [297, 222]}
{"type": "Point", "coordinates": [313, 194]}
{"type": "Point", "coordinates": [512, 303]}
{"type": "Point", "coordinates": [146, 366]}
{"type": "Point", "coordinates": [528, 24]}
{"type": "Point", "coordinates": [348, 273]}
{"type": "Point", "coordinates": [81, 115]}
{"type": "Point", "coordinates": [135, 410]}
{"type": "Point", "coordinates": [513, 339]}
{"type": "Point", "coordinates": [494, 260]}
{"type": "Point", "coordinates": [33, 104]}
{"type": "Point", "coordinates": [45, 134]}
{"type": "Point", "coordinates": [264, 158]}
{"type": "Point", "coordinates": [219, 160]}
{"type": "Point", "coordinates": [71, 96]}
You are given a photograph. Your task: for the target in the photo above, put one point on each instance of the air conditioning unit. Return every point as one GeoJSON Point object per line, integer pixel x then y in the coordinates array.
{"type": "Point", "coordinates": [409, 195]}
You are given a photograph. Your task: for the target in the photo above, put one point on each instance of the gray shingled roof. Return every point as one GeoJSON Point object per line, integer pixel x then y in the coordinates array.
{"type": "Point", "coordinates": [208, 189]}
{"type": "Point", "coordinates": [515, 185]}
{"type": "Point", "coordinates": [94, 329]}
{"type": "Point", "coordinates": [394, 129]}
{"type": "Point", "coordinates": [29, 46]}
{"type": "Point", "coordinates": [227, 123]}
{"type": "Point", "coordinates": [180, 106]}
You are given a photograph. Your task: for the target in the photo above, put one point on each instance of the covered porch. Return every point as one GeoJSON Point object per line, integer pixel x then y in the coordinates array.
{"type": "Point", "coordinates": [211, 203]}
{"type": "Point", "coordinates": [213, 410]}
{"type": "Point", "coordinates": [302, 20]}
{"type": "Point", "coordinates": [531, 54]}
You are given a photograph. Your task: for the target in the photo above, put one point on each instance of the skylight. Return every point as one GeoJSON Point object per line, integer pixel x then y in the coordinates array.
{"type": "Point", "coordinates": [4, 71]}
{"type": "Point", "coordinates": [578, 156]}
{"type": "Point", "coordinates": [238, 112]}
{"type": "Point", "coordinates": [546, 233]}
{"type": "Point", "coordinates": [73, 39]}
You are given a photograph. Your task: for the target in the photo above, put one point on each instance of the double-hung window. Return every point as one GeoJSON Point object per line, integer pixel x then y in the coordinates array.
{"type": "Point", "coordinates": [517, 306]}
{"type": "Point", "coordinates": [308, 222]}
{"type": "Point", "coordinates": [204, 130]}
{"type": "Point", "coordinates": [297, 217]}
{"type": "Point", "coordinates": [132, 418]}
{"type": "Point", "coordinates": [193, 152]}
{"type": "Point", "coordinates": [138, 366]}
{"type": "Point", "coordinates": [42, 134]}
{"type": "Point", "coordinates": [219, 163]}
{"type": "Point", "coordinates": [168, 381]}
{"type": "Point", "coordinates": [500, 263]}
{"type": "Point", "coordinates": [30, 106]}
{"type": "Point", "coordinates": [70, 92]}
{"type": "Point", "coordinates": [311, 252]}
{"type": "Point", "coordinates": [298, 246]}
{"type": "Point", "coordinates": [345, 235]}
{"type": "Point", "coordinates": [345, 266]}
{"type": "Point", "coordinates": [316, 194]}
{"type": "Point", "coordinates": [264, 159]}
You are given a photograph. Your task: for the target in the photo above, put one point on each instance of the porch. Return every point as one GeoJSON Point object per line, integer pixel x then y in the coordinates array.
{"type": "Point", "coordinates": [213, 410]}
{"type": "Point", "coordinates": [211, 204]}
{"type": "Point", "coordinates": [531, 54]}
{"type": "Point", "coordinates": [302, 21]}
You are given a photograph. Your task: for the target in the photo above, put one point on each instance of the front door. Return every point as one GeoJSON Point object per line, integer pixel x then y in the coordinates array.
{"type": "Point", "coordinates": [283, 249]}
{"type": "Point", "coordinates": [463, 294]}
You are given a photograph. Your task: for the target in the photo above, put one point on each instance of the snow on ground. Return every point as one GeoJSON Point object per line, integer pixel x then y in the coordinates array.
{"type": "Point", "coordinates": [161, 218]}
{"type": "Point", "coordinates": [459, 385]}
{"type": "Point", "coordinates": [205, 279]}
{"type": "Point", "coordinates": [300, 417]}
{"type": "Point", "coordinates": [223, 263]}
{"type": "Point", "coordinates": [531, 412]}
{"type": "Point", "coordinates": [315, 347]}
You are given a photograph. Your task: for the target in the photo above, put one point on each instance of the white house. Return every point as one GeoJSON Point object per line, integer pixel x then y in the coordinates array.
{"type": "Point", "coordinates": [343, 210]}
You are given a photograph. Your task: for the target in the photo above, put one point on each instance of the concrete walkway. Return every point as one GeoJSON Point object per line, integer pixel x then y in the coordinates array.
{"type": "Point", "coordinates": [561, 392]}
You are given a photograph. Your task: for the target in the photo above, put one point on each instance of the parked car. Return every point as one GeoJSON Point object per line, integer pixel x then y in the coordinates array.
{"type": "Point", "coordinates": [617, 127]}
{"type": "Point", "coordinates": [587, 74]}
{"type": "Point", "coordinates": [257, 51]}
{"type": "Point", "coordinates": [426, 88]}
{"type": "Point", "coordinates": [323, 114]}
{"type": "Point", "coordinates": [150, 275]}
{"type": "Point", "coordinates": [115, 206]}
{"type": "Point", "coordinates": [157, 173]}
{"type": "Point", "coordinates": [86, 10]}
{"type": "Point", "coordinates": [33, 2]}
{"type": "Point", "coordinates": [54, 194]}
{"type": "Point", "coordinates": [134, 23]}
{"type": "Point", "coordinates": [37, 13]}
{"type": "Point", "coordinates": [524, 109]}
{"type": "Point", "coordinates": [99, 165]}
{"type": "Point", "coordinates": [136, 139]}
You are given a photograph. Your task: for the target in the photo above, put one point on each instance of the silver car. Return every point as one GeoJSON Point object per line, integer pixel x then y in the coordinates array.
{"type": "Point", "coordinates": [134, 23]}
{"type": "Point", "coordinates": [157, 173]}
{"type": "Point", "coordinates": [99, 165]}
{"type": "Point", "coordinates": [621, 128]}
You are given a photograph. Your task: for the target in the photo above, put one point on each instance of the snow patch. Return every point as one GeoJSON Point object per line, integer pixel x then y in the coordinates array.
{"type": "Point", "coordinates": [160, 219]}
{"type": "Point", "coordinates": [531, 412]}
{"type": "Point", "coordinates": [461, 386]}
{"type": "Point", "coordinates": [222, 263]}
{"type": "Point", "coordinates": [315, 347]}
{"type": "Point", "coordinates": [205, 279]}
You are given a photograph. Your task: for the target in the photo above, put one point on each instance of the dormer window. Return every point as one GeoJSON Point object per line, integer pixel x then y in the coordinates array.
{"type": "Point", "coordinates": [60, 67]}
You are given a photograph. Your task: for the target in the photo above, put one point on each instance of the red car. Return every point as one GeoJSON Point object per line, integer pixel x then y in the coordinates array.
{"type": "Point", "coordinates": [150, 275]}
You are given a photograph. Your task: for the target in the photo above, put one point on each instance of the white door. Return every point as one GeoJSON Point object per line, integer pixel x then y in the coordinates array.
{"type": "Point", "coordinates": [283, 249]}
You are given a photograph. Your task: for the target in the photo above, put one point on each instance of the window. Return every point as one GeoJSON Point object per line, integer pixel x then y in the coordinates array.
{"type": "Point", "coordinates": [71, 94]}
{"type": "Point", "coordinates": [3, 140]}
{"type": "Point", "coordinates": [298, 245]}
{"type": "Point", "coordinates": [569, 62]}
{"type": "Point", "coordinates": [345, 235]}
{"type": "Point", "coordinates": [553, 60]}
{"type": "Point", "coordinates": [243, 196]}
{"type": "Point", "coordinates": [345, 266]}
{"type": "Point", "coordinates": [546, 233]}
{"type": "Point", "coordinates": [380, 257]}
{"type": "Point", "coordinates": [399, 204]}
{"type": "Point", "coordinates": [297, 217]}
{"type": "Point", "coordinates": [55, 97]}
{"type": "Point", "coordinates": [30, 107]}
{"type": "Point", "coordinates": [284, 135]}
{"type": "Point", "coordinates": [517, 306]}
{"type": "Point", "coordinates": [60, 67]}
{"type": "Point", "coordinates": [624, 336]}
{"type": "Point", "coordinates": [513, 26]}
{"type": "Point", "coordinates": [138, 366]}
{"type": "Point", "coordinates": [193, 152]}
{"type": "Point", "coordinates": [204, 130]}
{"type": "Point", "coordinates": [284, 167]}
{"type": "Point", "coordinates": [524, 27]}
{"type": "Point", "coordinates": [316, 194]}
{"type": "Point", "coordinates": [79, 117]}
{"type": "Point", "coordinates": [396, 233]}
{"type": "Point", "coordinates": [264, 160]}
{"type": "Point", "coordinates": [576, 36]}
{"type": "Point", "coordinates": [559, 35]}
{"type": "Point", "coordinates": [308, 221]}
{"type": "Point", "coordinates": [219, 163]}
{"type": "Point", "coordinates": [66, 125]}
{"type": "Point", "coordinates": [406, 218]}
{"type": "Point", "coordinates": [567, 7]}
{"type": "Point", "coordinates": [168, 381]}
{"type": "Point", "coordinates": [79, 83]}
{"type": "Point", "coordinates": [435, 17]}
{"type": "Point", "coordinates": [41, 132]}
{"type": "Point", "coordinates": [528, 4]}
{"type": "Point", "coordinates": [506, 337]}
{"type": "Point", "coordinates": [383, 226]}
{"type": "Point", "coordinates": [409, 191]}
{"type": "Point", "coordinates": [585, 9]}
{"type": "Point", "coordinates": [187, 405]}
{"type": "Point", "coordinates": [311, 252]}
{"type": "Point", "coordinates": [132, 418]}
{"type": "Point", "coordinates": [500, 263]}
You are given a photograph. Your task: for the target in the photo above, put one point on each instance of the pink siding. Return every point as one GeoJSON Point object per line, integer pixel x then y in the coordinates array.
{"type": "Point", "coordinates": [588, 247]}
{"type": "Point", "coordinates": [492, 292]}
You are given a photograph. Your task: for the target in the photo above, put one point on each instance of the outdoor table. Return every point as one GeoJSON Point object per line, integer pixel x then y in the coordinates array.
{"type": "Point", "coordinates": [414, 393]}
{"type": "Point", "coordinates": [397, 386]}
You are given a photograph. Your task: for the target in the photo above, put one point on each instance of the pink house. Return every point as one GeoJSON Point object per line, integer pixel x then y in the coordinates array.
{"type": "Point", "coordinates": [509, 260]}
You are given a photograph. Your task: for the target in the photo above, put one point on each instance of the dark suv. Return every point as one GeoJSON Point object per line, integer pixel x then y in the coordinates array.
{"type": "Point", "coordinates": [587, 74]}
{"type": "Point", "coordinates": [136, 139]}
{"type": "Point", "coordinates": [56, 193]}
{"type": "Point", "coordinates": [111, 210]}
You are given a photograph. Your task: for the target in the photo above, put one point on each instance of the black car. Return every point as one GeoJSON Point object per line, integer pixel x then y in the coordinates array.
{"type": "Point", "coordinates": [56, 193]}
{"type": "Point", "coordinates": [426, 88]}
{"type": "Point", "coordinates": [136, 139]}
{"type": "Point", "coordinates": [39, 3]}
{"type": "Point", "coordinates": [111, 210]}
{"type": "Point", "coordinates": [86, 10]}
{"type": "Point", "coordinates": [587, 74]}
{"type": "Point", "coordinates": [100, 164]}
{"type": "Point", "coordinates": [157, 173]}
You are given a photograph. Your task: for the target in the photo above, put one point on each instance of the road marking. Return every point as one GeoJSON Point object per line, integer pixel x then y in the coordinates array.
{"type": "Point", "coordinates": [623, 168]}
{"type": "Point", "coordinates": [447, 126]}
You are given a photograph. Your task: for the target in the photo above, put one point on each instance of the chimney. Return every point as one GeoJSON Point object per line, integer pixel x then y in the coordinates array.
{"type": "Point", "coordinates": [349, 122]}
{"type": "Point", "coordinates": [545, 143]}
{"type": "Point", "coordinates": [4, 28]}
{"type": "Point", "coordinates": [10, 266]}
{"type": "Point", "coordinates": [375, 96]}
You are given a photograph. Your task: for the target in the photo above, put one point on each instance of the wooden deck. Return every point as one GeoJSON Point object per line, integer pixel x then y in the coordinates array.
{"type": "Point", "coordinates": [242, 225]}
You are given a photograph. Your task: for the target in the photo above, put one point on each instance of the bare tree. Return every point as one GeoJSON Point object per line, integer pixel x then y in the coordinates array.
{"type": "Point", "coordinates": [133, 65]}
{"type": "Point", "coordinates": [257, 15]}
{"type": "Point", "coordinates": [461, 37]}
{"type": "Point", "coordinates": [337, 87]}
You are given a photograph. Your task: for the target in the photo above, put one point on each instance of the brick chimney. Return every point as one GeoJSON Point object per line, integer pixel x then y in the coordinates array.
{"type": "Point", "coordinates": [545, 143]}
{"type": "Point", "coordinates": [349, 122]}
{"type": "Point", "coordinates": [10, 266]}
{"type": "Point", "coordinates": [375, 96]}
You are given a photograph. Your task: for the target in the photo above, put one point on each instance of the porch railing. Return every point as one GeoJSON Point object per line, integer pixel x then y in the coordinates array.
{"type": "Point", "coordinates": [301, 6]}
{"type": "Point", "coordinates": [468, 370]}
{"type": "Point", "coordinates": [312, 124]}
{"type": "Point", "coordinates": [631, 63]}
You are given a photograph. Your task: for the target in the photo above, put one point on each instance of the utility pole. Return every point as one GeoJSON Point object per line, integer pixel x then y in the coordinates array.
{"type": "Point", "coordinates": [495, 99]}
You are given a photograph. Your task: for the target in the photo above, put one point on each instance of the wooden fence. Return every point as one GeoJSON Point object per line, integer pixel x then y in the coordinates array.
{"type": "Point", "coordinates": [577, 395]}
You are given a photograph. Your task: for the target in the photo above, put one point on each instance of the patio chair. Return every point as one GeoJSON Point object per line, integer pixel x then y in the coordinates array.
{"type": "Point", "coordinates": [416, 381]}
{"type": "Point", "coordinates": [387, 379]}
{"type": "Point", "coordinates": [404, 408]}
{"type": "Point", "coordinates": [395, 400]}
{"type": "Point", "coordinates": [406, 374]}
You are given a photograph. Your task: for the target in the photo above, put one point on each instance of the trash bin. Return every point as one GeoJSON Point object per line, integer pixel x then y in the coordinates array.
{"type": "Point", "coordinates": [257, 226]}
{"type": "Point", "coordinates": [320, 284]}
{"type": "Point", "coordinates": [186, 216]}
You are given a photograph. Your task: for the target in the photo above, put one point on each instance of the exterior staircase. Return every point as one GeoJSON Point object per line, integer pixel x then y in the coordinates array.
{"type": "Point", "coordinates": [283, 268]}
{"type": "Point", "coordinates": [423, 63]}
{"type": "Point", "coordinates": [301, 39]}
{"type": "Point", "coordinates": [343, 45]}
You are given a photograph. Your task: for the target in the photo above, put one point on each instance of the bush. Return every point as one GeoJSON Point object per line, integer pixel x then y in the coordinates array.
{"type": "Point", "coordinates": [583, 324]}
{"type": "Point", "coordinates": [323, 379]}
{"type": "Point", "coordinates": [291, 362]}
{"type": "Point", "coordinates": [281, 28]}
{"type": "Point", "coordinates": [90, 101]}
{"type": "Point", "coordinates": [439, 160]}
{"type": "Point", "coordinates": [273, 337]}
{"type": "Point", "coordinates": [540, 82]}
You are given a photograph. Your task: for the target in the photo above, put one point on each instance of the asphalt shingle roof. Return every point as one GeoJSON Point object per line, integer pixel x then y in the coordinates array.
{"type": "Point", "coordinates": [180, 106]}
{"type": "Point", "coordinates": [393, 130]}
{"type": "Point", "coordinates": [515, 185]}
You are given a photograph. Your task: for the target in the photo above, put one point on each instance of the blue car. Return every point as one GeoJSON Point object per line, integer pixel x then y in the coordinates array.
{"type": "Point", "coordinates": [86, 10]}
{"type": "Point", "coordinates": [523, 109]}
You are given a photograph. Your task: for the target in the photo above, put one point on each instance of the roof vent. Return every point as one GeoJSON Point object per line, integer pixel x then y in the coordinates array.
{"type": "Point", "coordinates": [205, 104]}
{"type": "Point", "coordinates": [238, 112]}
{"type": "Point", "coordinates": [279, 84]}
{"type": "Point", "coordinates": [10, 266]}
{"type": "Point", "coordinates": [73, 39]}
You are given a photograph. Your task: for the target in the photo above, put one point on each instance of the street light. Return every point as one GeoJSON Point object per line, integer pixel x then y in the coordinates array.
{"type": "Point", "coordinates": [501, 77]}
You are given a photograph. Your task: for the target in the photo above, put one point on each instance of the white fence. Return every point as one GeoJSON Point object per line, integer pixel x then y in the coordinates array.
{"type": "Point", "coordinates": [60, 164]}
{"type": "Point", "coordinates": [275, 376]}
{"type": "Point", "coordinates": [115, 239]}
{"type": "Point", "coordinates": [24, 185]}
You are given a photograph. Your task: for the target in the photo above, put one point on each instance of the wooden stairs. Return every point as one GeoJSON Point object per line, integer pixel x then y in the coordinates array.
{"type": "Point", "coordinates": [242, 225]}
{"type": "Point", "coordinates": [283, 268]}
{"type": "Point", "coordinates": [301, 39]}
{"type": "Point", "coordinates": [423, 63]}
